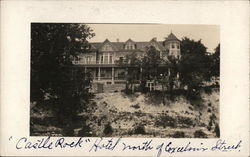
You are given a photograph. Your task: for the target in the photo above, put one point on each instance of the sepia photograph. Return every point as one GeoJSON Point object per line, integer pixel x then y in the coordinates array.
{"type": "Point", "coordinates": [125, 80]}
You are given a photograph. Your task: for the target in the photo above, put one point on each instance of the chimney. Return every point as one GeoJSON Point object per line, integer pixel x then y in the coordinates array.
{"type": "Point", "coordinates": [117, 40]}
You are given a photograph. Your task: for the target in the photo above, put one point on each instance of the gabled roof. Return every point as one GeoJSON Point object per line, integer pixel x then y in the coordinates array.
{"type": "Point", "coordinates": [129, 40]}
{"type": "Point", "coordinates": [98, 45]}
{"type": "Point", "coordinates": [159, 44]}
{"type": "Point", "coordinates": [120, 46]}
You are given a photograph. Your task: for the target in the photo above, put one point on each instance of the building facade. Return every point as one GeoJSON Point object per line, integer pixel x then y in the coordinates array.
{"type": "Point", "coordinates": [105, 60]}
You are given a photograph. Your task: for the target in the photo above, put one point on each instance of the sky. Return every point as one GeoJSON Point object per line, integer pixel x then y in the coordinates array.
{"type": "Point", "coordinates": [209, 34]}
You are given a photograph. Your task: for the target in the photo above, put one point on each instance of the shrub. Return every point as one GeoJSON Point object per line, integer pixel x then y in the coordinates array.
{"type": "Point", "coordinates": [217, 130]}
{"type": "Point", "coordinates": [200, 134]}
{"type": "Point", "coordinates": [136, 106]}
{"type": "Point", "coordinates": [165, 120]}
{"type": "Point", "coordinates": [85, 131]}
{"type": "Point", "coordinates": [188, 122]}
{"type": "Point", "coordinates": [108, 130]}
{"type": "Point", "coordinates": [140, 129]}
{"type": "Point", "coordinates": [179, 134]}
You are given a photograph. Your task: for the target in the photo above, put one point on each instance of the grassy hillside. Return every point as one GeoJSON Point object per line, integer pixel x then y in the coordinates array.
{"type": "Point", "coordinates": [140, 115]}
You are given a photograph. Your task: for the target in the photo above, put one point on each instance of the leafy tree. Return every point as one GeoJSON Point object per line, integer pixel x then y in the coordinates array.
{"type": "Point", "coordinates": [168, 76]}
{"type": "Point", "coordinates": [54, 46]}
{"type": "Point", "coordinates": [216, 62]}
{"type": "Point", "coordinates": [134, 63]}
{"type": "Point", "coordinates": [150, 66]}
{"type": "Point", "coordinates": [194, 65]}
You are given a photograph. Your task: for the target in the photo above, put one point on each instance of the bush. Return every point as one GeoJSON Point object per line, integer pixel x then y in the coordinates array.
{"type": "Point", "coordinates": [188, 122]}
{"type": "Point", "coordinates": [140, 129]}
{"type": "Point", "coordinates": [165, 120]}
{"type": "Point", "coordinates": [179, 134]}
{"type": "Point", "coordinates": [85, 131]}
{"type": "Point", "coordinates": [217, 130]}
{"type": "Point", "coordinates": [136, 106]}
{"type": "Point", "coordinates": [200, 134]}
{"type": "Point", "coordinates": [108, 130]}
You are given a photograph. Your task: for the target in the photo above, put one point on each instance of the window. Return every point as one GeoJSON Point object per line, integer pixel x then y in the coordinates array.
{"type": "Point", "coordinates": [130, 46]}
{"type": "Point", "coordinates": [120, 60]}
{"type": "Point", "coordinates": [101, 59]}
{"type": "Point", "coordinates": [173, 46]}
{"type": "Point", "coordinates": [110, 59]}
{"type": "Point", "coordinates": [88, 59]}
{"type": "Point", "coordinates": [106, 59]}
{"type": "Point", "coordinates": [178, 46]}
{"type": "Point", "coordinates": [82, 61]}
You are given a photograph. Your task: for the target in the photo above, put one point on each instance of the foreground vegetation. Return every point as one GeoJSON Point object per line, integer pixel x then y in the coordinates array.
{"type": "Point", "coordinates": [143, 115]}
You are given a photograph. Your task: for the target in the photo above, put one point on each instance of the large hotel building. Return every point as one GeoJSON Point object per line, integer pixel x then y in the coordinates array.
{"type": "Point", "coordinates": [105, 58]}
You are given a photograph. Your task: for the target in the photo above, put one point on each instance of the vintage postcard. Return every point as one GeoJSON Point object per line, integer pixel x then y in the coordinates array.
{"type": "Point", "coordinates": [123, 78]}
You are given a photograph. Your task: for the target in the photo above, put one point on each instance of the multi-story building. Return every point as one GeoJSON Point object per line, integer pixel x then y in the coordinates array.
{"type": "Point", "coordinates": [104, 59]}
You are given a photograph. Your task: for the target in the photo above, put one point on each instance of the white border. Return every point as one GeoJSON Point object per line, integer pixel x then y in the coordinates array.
{"type": "Point", "coordinates": [232, 16]}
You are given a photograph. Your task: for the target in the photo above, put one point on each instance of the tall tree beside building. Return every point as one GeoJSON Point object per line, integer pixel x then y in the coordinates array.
{"type": "Point", "coordinates": [150, 64]}
{"type": "Point", "coordinates": [216, 62]}
{"type": "Point", "coordinates": [195, 64]}
{"type": "Point", "coordinates": [134, 63]}
{"type": "Point", "coordinates": [53, 48]}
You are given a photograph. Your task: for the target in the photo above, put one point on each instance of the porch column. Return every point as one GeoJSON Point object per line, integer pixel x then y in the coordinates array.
{"type": "Point", "coordinates": [141, 73]}
{"type": "Point", "coordinates": [99, 73]}
{"type": "Point", "coordinates": [112, 74]}
{"type": "Point", "coordinates": [108, 58]}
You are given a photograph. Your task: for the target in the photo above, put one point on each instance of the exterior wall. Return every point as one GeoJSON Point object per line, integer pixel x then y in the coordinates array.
{"type": "Point", "coordinates": [103, 64]}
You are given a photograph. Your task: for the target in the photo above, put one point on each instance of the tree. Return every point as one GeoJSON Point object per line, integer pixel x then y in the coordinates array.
{"type": "Point", "coordinates": [54, 46]}
{"type": "Point", "coordinates": [195, 64]}
{"type": "Point", "coordinates": [150, 65]}
{"type": "Point", "coordinates": [216, 62]}
{"type": "Point", "coordinates": [168, 76]}
{"type": "Point", "coordinates": [134, 63]}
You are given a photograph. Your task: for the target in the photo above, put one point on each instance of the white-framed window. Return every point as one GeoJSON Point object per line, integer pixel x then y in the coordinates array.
{"type": "Point", "coordinates": [88, 59]}
{"type": "Point", "coordinates": [106, 58]}
{"type": "Point", "coordinates": [130, 46]}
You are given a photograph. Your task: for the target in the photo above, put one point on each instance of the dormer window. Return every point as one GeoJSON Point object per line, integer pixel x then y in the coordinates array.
{"type": "Point", "coordinates": [106, 48]}
{"type": "Point", "coordinates": [130, 46]}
